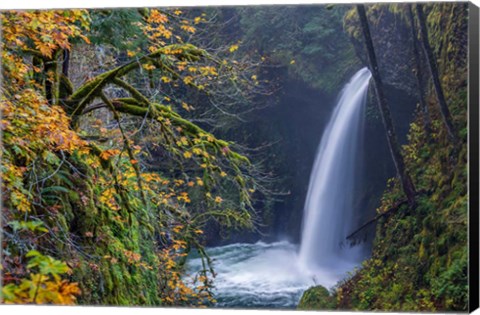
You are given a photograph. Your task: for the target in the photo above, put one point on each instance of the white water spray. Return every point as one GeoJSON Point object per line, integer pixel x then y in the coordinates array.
{"type": "Point", "coordinates": [329, 213]}
{"type": "Point", "coordinates": [275, 275]}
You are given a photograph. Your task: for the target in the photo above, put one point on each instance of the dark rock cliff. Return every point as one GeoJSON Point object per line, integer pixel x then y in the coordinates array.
{"type": "Point", "coordinates": [392, 43]}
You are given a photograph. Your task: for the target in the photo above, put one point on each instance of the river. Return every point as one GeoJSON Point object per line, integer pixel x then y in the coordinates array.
{"type": "Point", "coordinates": [261, 275]}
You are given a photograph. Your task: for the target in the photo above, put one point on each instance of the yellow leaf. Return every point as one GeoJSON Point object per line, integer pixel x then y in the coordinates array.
{"type": "Point", "coordinates": [188, 80]}
{"type": "Point", "coordinates": [185, 106]}
{"type": "Point", "coordinates": [188, 28]}
{"type": "Point", "coordinates": [148, 67]}
{"type": "Point", "coordinates": [233, 48]}
{"type": "Point", "coordinates": [105, 155]}
{"type": "Point", "coordinates": [197, 151]}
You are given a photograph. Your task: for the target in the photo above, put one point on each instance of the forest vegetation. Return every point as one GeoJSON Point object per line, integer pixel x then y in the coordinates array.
{"type": "Point", "coordinates": [124, 152]}
{"type": "Point", "coordinates": [420, 259]}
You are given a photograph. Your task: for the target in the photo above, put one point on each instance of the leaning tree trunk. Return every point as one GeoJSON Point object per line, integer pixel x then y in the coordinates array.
{"type": "Point", "coordinates": [432, 64]}
{"type": "Point", "coordinates": [397, 157]}
{"type": "Point", "coordinates": [418, 75]}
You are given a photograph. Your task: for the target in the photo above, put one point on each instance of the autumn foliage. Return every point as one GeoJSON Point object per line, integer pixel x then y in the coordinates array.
{"type": "Point", "coordinates": [85, 219]}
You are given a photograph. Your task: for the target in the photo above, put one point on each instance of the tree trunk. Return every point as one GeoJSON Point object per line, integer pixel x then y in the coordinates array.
{"type": "Point", "coordinates": [52, 78]}
{"type": "Point", "coordinates": [66, 62]}
{"type": "Point", "coordinates": [48, 69]}
{"type": "Point", "coordinates": [432, 64]}
{"type": "Point", "coordinates": [393, 145]}
{"type": "Point", "coordinates": [418, 75]}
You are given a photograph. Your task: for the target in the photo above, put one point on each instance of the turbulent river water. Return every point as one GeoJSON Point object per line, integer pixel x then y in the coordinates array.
{"type": "Point", "coordinates": [275, 275]}
{"type": "Point", "coordinates": [261, 275]}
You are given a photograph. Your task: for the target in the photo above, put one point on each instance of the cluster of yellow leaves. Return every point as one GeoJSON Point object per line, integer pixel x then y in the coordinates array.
{"type": "Point", "coordinates": [44, 285]}
{"type": "Point", "coordinates": [48, 30]}
{"type": "Point", "coordinates": [177, 288]}
{"type": "Point", "coordinates": [107, 154]}
{"type": "Point", "coordinates": [208, 137]}
{"type": "Point", "coordinates": [40, 289]}
{"type": "Point", "coordinates": [30, 122]}
{"type": "Point", "coordinates": [187, 107]}
{"type": "Point", "coordinates": [183, 196]}
{"type": "Point", "coordinates": [108, 198]}
{"type": "Point", "coordinates": [208, 70]}
{"type": "Point", "coordinates": [188, 80]}
{"type": "Point", "coordinates": [16, 69]}
{"type": "Point", "coordinates": [132, 257]}
{"type": "Point", "coordinates": [160, 191]}
{"type": "Point", "coordinates": [183, 141]}
{"type": "Point", "coordinates": [162, 27]}
{"type": "Point", "coordinates": [176, 291]}
{"type": "Point", "coordinates": [199, 19]}
{"type": "Point", "coordinates": [35, 134]}
{"type": "Point", "coordinates": [415, 142]}
{"type": "Point", "coordinates": [151, 177]}
{"type": "Point", "coordinates": [32, 129]}
{"type": "Point", "coordinates": [233, 48]}
{"type": "Point", "coordinates": [148, 66]}
{"type": "Point", "coordinates": [188, 28]}
{"type": "Point", "coordinates": [19, 196]}
{"type": "Point", "coordinates": [157, 29]}
{"type": "Point", "coordinates": [156, 17]}
{"type": "Point", "coordinates": [181, 290]}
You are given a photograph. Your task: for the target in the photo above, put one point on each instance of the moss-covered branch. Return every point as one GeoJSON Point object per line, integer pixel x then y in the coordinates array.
{"type": "Point", "coordinates": [87, 93]}
{"type": "Point", "coordinates": [155, 111]}
{"type": "Point", "coordinates": [133, 91]}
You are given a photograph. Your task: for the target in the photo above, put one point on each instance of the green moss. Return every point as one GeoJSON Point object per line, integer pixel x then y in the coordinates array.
{"type": "Point", "coordinates": [317, 298]}
{"type": "Point", "coordinates": [419, 260]}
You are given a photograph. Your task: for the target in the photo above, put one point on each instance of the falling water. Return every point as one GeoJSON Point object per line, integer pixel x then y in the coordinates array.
{"type": "Point", "coordinates": [329, 213]}
{"type": "Point", "coordinates": [275, 275]}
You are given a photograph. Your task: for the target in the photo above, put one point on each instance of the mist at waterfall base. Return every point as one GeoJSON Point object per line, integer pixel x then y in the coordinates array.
{"type": "Point", "coordinates": [275, 275]}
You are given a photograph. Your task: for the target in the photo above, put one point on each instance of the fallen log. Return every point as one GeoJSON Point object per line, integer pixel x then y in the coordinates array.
{"type": "Point", "coordinates": [388, 211]}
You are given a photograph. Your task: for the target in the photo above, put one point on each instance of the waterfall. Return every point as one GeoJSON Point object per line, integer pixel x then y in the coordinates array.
{"type": "Point", "coordinates": [275, 275]}
{"type": "Point", "coordinates": [329, 215]}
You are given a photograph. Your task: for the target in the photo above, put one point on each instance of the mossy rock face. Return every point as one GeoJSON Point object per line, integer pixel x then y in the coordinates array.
{"type": "Point", "coordinates": [419, 259]}
{"type": "Point", "coordinates": [391, 35]}
{"type": "Point", "coordinates": [317, 298]}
